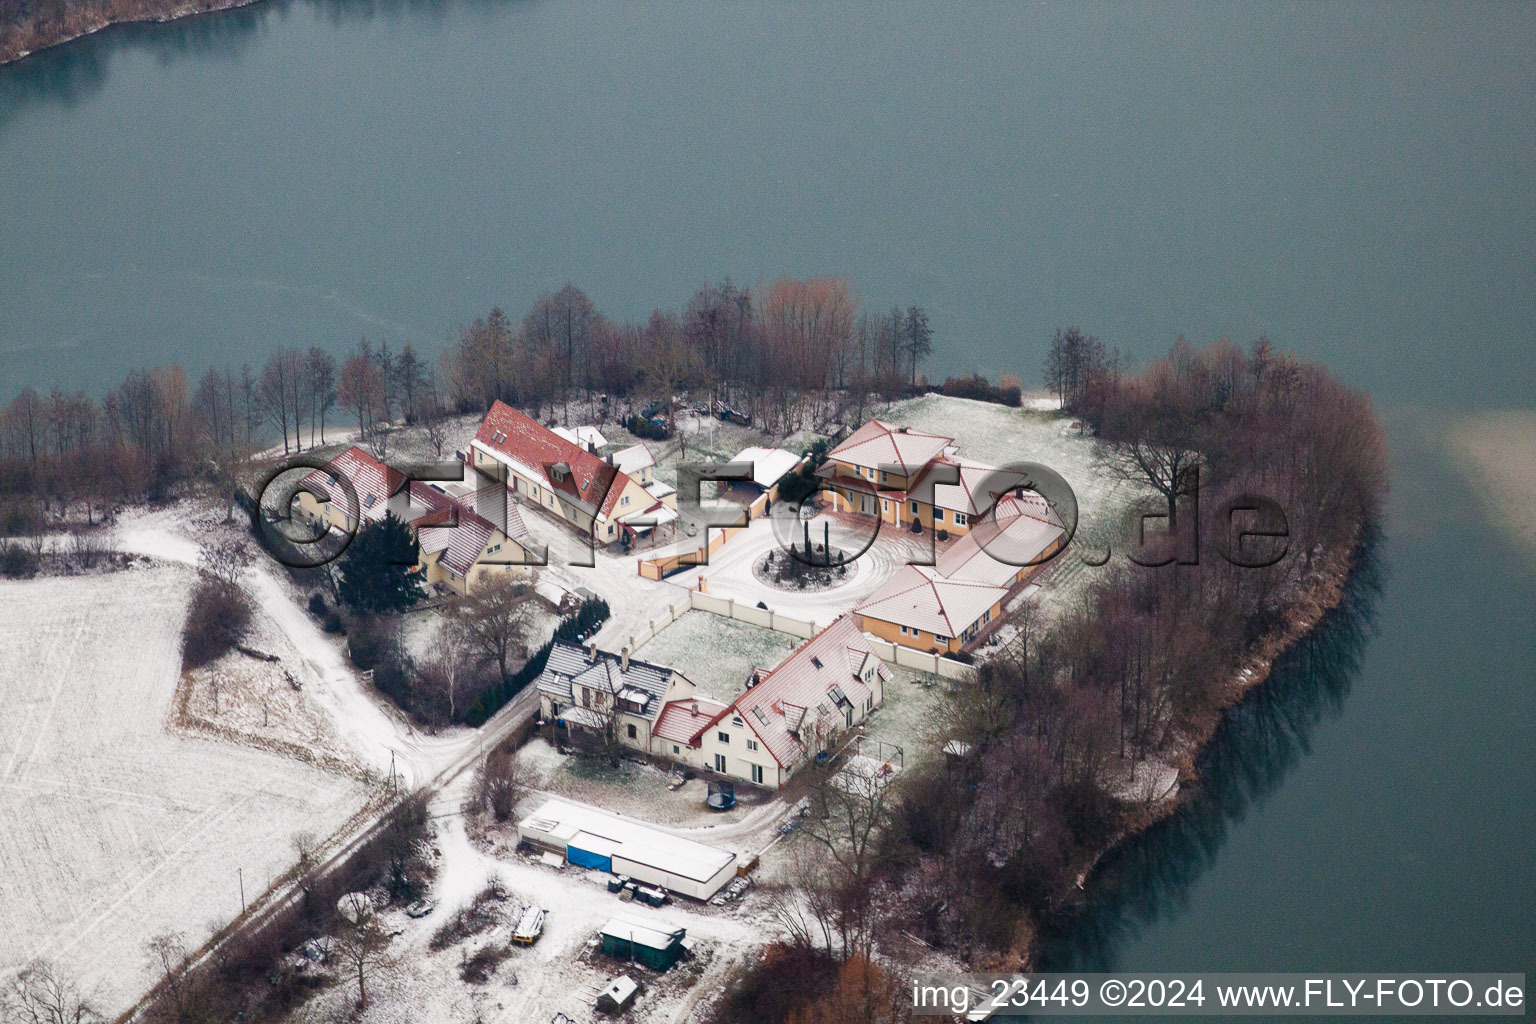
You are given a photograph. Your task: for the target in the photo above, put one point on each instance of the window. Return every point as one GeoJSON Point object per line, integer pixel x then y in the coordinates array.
{"type": "Point", "coordinates": [960, 519]}
{"type": "Point", "coordinates": [720, 763]}
{"type": "Point", "coordinates": [757, 774]}
{"type": "Point", "coordinates": [914, 508]}
{"type": "Point", "coordinates": [903, 630]}
{"type": "Point", "coordinates": [723, 737]}
{"type": "Point", "coordinates": [884, 476]}
{"type": "Point", "coordinates": [885, 506]}
{"type": "Point", "coordinates": [940, 638]}
{"type": "Point", "coordinates": [676, 749]}
{"type": "Point", "coordinates": [938, 515]}
{"type": "Point", "coordinates": [751, 744]}
{"type": "Point", "coordinates": [624, 500]}
{"type": "Point", "coordinates": [736, 721]}
{"type": "Point", "coordinates": [630, 731]}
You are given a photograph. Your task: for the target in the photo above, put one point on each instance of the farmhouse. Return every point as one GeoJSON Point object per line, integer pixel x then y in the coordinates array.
{"type": "Point", "coordinates": [830, 684]}
{"type": "Point", "coordinates": [945, 606]}
{"type": "Point", "coordinates": [589, 838]}
{"type": "Point", "coordinates": [458, 546]}
{"type": "Point", "coordinates": [570, 482]}
{"type": "Point", "coordinates": [601, 694]}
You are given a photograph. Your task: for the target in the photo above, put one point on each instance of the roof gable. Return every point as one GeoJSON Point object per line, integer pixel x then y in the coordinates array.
{"type": "Point", "coordinates": [565, 467]}
{"type": "Point", "coordinates": [877, 444]}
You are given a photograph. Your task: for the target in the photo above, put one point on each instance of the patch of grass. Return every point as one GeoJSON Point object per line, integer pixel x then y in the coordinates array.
{"type": "Point", "coordinates": [477, 970]}
{"type": "Point", "coordinates": [482, 914]}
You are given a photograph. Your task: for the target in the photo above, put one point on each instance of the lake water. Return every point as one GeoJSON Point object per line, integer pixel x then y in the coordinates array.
{"type": "Point", "coordinates": [1353, 180]}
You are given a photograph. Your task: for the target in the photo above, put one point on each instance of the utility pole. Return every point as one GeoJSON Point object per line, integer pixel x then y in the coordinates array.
{"type": "Point", "coordinates": [240, 872]}
{"type": "Point", "coordinates": [391, 771]}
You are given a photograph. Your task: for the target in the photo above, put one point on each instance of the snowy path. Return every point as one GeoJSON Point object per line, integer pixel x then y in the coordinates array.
{"type": "Point", "coordinates": [373, 732]}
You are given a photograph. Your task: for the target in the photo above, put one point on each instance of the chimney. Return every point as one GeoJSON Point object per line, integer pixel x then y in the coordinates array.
{"type": "Point", "coordinates": [695, 709]}
{"type": "Point", "coordinates": [608, 458]}
{"type": "Point", "coordinates": [592, 447]}
{"type": "Point", "coordinates": [592, 651]}
{"type": "Point", "coordinates": [624, 659]}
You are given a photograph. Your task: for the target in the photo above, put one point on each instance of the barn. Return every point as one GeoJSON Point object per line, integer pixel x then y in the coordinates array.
{"type": "Point", "coordinates": [589, 838]}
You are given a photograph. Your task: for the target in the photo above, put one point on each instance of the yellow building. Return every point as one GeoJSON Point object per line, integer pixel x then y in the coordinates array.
{"type": "Point", "coordinates": [948, 605]}
{"type": "Point", "coordinates": [457, 546]}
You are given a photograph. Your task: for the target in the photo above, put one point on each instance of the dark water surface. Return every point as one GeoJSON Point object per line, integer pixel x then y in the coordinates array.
{"type": "Point", "coordinates": [1353, 179]}
{"type": "Point", "coordinates": [1371, 808]}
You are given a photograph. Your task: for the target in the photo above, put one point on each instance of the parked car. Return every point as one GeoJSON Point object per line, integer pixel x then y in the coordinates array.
{"type": "Point", "coordinates": [421, 908]}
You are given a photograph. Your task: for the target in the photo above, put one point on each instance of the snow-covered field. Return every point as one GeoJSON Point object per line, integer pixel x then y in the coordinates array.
{"type": "Point", "coordinates": [113, 829]}
{"type": "Point", "coordinates": [999, 435]}
{"type": "Point", "coordinates": [717, 653]}
{"type": "Point", "coordinates": [907, 717]}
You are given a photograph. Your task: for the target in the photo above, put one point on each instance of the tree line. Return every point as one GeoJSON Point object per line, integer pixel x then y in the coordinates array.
{"type": "Point", "coordinates": [763, 351]}
{"type": "Point", "coordinates": [773, 353]}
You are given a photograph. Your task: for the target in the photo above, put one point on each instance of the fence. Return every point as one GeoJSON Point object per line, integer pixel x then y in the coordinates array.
{"type": "Point", "coordinates": [893, 654]}
{"type": "Point", "coordinates": [924, 661]}
{"type": "Point", "coordinates": [660, 568]}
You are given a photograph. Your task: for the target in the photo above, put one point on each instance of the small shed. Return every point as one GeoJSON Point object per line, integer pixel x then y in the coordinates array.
{"type": "Point", "coordinates": [618, 995]}
{"type": "Point", "coordinates": [657, 946]}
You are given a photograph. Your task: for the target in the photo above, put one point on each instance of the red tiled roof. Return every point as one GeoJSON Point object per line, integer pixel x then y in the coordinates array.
{"type": "Point", "coordinates": [1010, 536]}
{"type": "Point", "coordinates": [802, 686]}
{"type": "Point", "coordinates": [374, 482]}
{"type": "Point", "coordinates": [590, 481]}
{"type": "Point", "coordinates": [680, 723]}
{"type": "Point", "coordinates": [464, 544]}
{"type": "Point", "coordinates": [977, 490]}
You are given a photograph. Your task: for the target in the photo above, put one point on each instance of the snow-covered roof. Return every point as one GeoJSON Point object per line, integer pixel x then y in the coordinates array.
{"type": "Point", "coordinates": [769, 465]}
{"type": "Point", "coordinates": [643, 519]}
{"type": "Point", "coordinates": [571, 663]}
{"type": "Point", "coordinates": [459, 546]}
{"type": "Point", "coordinates": [632, 840]}
{"type": "Point", "coordinates": [582, 477]}
{"type": "Point", "coordinates": [811, 683]}
{"type": "Point", "coordinates": [583, 435]}
{"type": "Point", "coordinates": [877, 444]}
{"type": "Point", "coordinates": [918, 597]}
{"type": "Point", "coordinates": [978, 488]}
{"type": "Point", "coordinates": [660, 489]}
{"type": "Point", "coordinates": [681, 720]}
{"type": "Point", "coordinates": [374, 483]}
{"type": "Point", "coordinates": [1012, 535]}
{"type": "Point", "coordinates": [643, 933]}
{"type": "Point", "coordinates": [633, 459]}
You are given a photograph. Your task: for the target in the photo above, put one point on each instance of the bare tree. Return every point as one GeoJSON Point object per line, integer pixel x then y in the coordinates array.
{"type": "Point", "coordinates": [224, 561]}
{"type": "Point", "coordinates": [166, 956]}
{"type": "Point", "coordinates": [38, 994]}
{"type": "Point", "coordinates": [499, 783]}
{"type": "Point", "coordinates": [494, 619]}
{"type": "Point", "coordinates": [362, 947]}
{"type": "Point", "coordinates": [850, 809]}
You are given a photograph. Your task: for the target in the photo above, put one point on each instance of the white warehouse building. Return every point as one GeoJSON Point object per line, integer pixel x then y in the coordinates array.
{"type": "Point", "coordinates": [589, 838]}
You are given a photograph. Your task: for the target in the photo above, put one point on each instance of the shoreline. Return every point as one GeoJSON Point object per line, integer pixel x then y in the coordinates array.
{"type": "Point", "coordinates": [91, 22]}
{"type": "Point", "coordinates": [1253, 671]}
